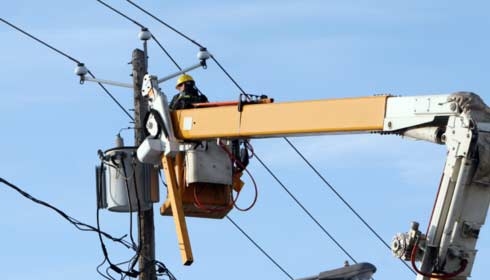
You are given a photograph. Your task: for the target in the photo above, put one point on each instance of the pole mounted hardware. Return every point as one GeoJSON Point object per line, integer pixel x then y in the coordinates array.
{"type": "Point", "coordinates": [202, 55]}
{"type": "Point", "coordinates": [82, 71]}
{"type": "Point", "coordinates": [144, 34]}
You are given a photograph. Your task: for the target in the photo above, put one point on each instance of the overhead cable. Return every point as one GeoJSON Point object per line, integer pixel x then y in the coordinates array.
{"type": "Point", "coordinates": [78, 224]}
{"type": "Point", "coordinates": [339, 196]}
{"type": "Point", "coordinates": [258, 247]}
{"type": "Point", "coordinates": [166, 52]}
{"type": "Point", "coordinates": [121, 14]}
{"type": "Point", "coordinates": [305, 210]}
{"type": "Point", "coordinates": [230, 77]}
{"type": "Point", "coordinates": [86, 227]}
{"type": "Point", "coordinates": [70, 58]}
{"type": "Point", "coordinates": [142, 27]}
{"type": "Point", "coordinates": [164, 23]}
{"type": "Point", "coordinates": [112, 97]}
{"type": "Point", "coordinates": [192, 41]}
{"type": "Point", "coordinates": [40, 41]}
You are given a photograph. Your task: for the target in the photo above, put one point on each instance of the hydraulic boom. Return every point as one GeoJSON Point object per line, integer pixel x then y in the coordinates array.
{"type": "Point", "coordinates": [197, 149]}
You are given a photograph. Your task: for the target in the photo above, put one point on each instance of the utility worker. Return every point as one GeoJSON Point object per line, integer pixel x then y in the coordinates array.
{"type": "Point", "coordinates": [188, 94]}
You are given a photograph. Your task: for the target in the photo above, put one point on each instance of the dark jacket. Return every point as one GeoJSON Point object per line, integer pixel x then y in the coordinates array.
{"type": "Point", "coordinates": [184, 100]}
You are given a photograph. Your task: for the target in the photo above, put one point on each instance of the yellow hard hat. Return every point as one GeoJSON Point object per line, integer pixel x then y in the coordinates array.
{"type": "Point", "coordinates": [183, 78]}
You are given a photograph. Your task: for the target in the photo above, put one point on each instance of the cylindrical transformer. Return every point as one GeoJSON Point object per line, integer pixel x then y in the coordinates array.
{"type": "Point", "coordinates": [121, 191]}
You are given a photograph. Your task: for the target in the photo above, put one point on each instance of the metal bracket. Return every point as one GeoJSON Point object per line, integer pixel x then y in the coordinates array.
{"type": "Point", "coordinates": [107, 82]}
{"type": "Point", "coordinates": [160, 118]}
{"type": "Point", "coordinates": [407, 111]}
{"type": "Point", "coordinates": [202, 55]}
{"type": "Point", "coordinates": [82, 71]}
{"type": "Point", "coordinates": [202, 63]}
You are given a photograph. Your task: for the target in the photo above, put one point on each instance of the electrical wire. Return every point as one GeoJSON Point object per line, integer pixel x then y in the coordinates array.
{"type": "Point", "coordinates": [240, 164]}
{"type": "Point", "coordinates": [112, 266]}
{"type": "Point", "coordinates": [192, 41]}
{"type": "Point", "coordinates": [66, 56]}
{"type": "Point", "coordinates": [304, 209]}
{"type": "Point", "coordinates": [40, 41]}
{"type": "Point", "coordinates": [166, 52]}
{"type": "Point", "coordinates": [126, 262]}
{"type": "Point", "coordinates": [130, 202]}
{"type": "Point", "coordinates": [163, 270]}
{"type": "Point", "coordinates": [78, 224]}
{"type": "Point", "coordinates": [112, 97]}
{"type": "Point", "coordinates": [230, 77]}
{"type": "Point", "coordinates": [142, 27]}
{"type": "Point", "coordinates": [138, 205]}
{"type": "Point", "coordinates": [164, 23]}
{"type": "Point", "coordinates": [108, 273]}
{"type": "Point", "coordinates": [99, 272]}
{"type": "Point", "coordinates": [161, 178]}
{"type": "Point", "coordinates": [254, 201]}
{"type": "Point", "coordinates": [260, 248]}
{"type": "Point", "coordinates": [339, 196]}
{"type": "Point", "coordinates": [133, 260]}
{"type": "Point", "coordinates": [121, 14]}
{"type": "Point", "coordinates": [462, 266]}
{"type": "Point", "coordinates": [104, 249]}
{"type": "Point", "coordinates": [85, 227]}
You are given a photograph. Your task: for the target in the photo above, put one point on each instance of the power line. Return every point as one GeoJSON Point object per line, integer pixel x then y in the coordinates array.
{"type": "Point", "coordinates": [66, 56]}
{"type": "Point", "coordinates": [121, 14]}
{"type": "Point", "coordinates": [86, 227]}
{"type": "Point", "coordinates": [166, 52]}
{"type": "Point", "coordinates": [304, 208]}
{"type": "Point", "coordinates": [339, 196]}
{"type": "Point", "coordinates": [230, 77]}
{"type": "Point", "coordinates": [258, 247]}
{"type": "Point", "coordinates": [160, 45]}
{"type": "Point", "coordinates": [142, 27]}
{"type": "Point", "coordinates": [40, 41]}
{"type": "Point", "coordinates": [78, 224]}
{"type": "Point", "coordinates": [192, 41]}
{"type": "Point", "coordinates": [164, 23]}
{"type": "Point", "coordinates": [112, 97]}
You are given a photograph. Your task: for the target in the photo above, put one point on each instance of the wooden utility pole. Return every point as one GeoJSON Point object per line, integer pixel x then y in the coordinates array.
{"type": "Point", "coordinates": [145, 218]}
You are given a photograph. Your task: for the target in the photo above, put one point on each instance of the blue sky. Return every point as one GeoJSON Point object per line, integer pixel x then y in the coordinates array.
{"type": "Point", "coordinates": [290, 50]}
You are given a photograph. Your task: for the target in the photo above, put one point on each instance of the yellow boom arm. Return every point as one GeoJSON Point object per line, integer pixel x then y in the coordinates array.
{"type": "Point", "coordinates": [278, 119]}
